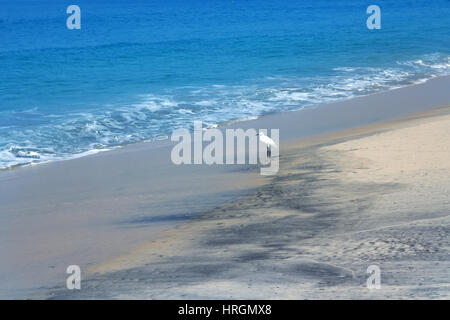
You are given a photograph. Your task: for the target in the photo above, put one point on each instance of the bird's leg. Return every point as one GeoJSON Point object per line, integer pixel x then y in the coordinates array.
{"type": "Point", "coordinates": [269, 152]}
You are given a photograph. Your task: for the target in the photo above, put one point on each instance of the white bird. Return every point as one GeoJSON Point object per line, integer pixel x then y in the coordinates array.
{"type": "Point", "coordinates": [267, 141]}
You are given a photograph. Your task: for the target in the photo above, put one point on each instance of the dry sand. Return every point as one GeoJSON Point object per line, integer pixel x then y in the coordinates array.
{"type": "Point", "coordinates": [377, 195]}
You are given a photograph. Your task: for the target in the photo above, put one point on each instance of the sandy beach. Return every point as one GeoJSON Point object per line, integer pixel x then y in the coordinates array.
{"type": "Point", "coordinates": [362, 182]}
{"type": "Point", "coordinates": [336, 207]}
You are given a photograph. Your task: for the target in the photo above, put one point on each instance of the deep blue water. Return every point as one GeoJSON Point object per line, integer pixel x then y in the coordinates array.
{"type": "Point", "coordinates": [138, 69]}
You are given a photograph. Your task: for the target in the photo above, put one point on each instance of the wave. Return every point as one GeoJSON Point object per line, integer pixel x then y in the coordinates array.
{"type": "Point", "coordinates": [152, 117]}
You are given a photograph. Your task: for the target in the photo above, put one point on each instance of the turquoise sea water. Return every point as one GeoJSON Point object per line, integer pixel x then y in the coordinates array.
{"type": "Point", "coordinates": [139, 69]}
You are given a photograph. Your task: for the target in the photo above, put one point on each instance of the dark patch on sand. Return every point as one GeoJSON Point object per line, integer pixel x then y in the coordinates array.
{"type": "Point", "coordinates": [162, 218]}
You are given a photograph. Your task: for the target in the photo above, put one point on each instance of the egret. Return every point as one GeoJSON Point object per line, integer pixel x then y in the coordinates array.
{"type": "Point", "coordinates": [268, 142]}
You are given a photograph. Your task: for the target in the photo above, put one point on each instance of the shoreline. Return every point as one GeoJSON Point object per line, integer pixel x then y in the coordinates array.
{"type": "Point", "coordinates": [225, 124]}
{"type": "Point", "coordinates": [93, 210]}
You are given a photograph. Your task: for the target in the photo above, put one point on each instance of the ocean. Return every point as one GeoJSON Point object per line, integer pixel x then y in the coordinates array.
{"type": "Point", "coordinates": [136, 70]}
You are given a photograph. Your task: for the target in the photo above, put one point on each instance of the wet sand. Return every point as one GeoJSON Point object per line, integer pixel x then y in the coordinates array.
{"type": "Point", "coordinates": [361, 182]}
